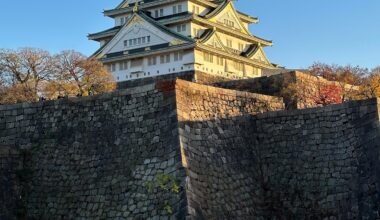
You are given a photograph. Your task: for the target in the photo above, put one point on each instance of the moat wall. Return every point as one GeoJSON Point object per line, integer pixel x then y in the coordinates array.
{"type": "Point", "coordinates": [105, 157]}
{"type": "Point", "coordinates": [216, 151]}
{"type": "Point", "coordinates": [99, 157]}
{"type": "Point", "coordinates": [318, 163]}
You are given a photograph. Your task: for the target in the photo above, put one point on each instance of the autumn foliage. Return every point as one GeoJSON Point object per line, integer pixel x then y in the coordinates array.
{"type": "Point", "coordinates": [30, 74]}
{"type": "Point", "coordinates": [328, 94]}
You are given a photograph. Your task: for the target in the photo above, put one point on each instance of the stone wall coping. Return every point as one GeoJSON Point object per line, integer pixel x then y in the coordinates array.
{"type": "Point", "coordinates": [58, 102]}
{"type": "Point", "coordinates": [329, 108]}
{"type": "Point", "coordinates": [221, 91]}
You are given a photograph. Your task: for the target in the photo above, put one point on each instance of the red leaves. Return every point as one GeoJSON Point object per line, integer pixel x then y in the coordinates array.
{"type": "Point", "coordinates": [328, 94]}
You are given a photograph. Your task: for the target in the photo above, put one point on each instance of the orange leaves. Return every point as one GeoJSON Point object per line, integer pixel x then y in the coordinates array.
{"type": "Point", "coordinates": [328, 94]}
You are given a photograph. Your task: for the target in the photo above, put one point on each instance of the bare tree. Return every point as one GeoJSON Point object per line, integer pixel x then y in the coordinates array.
{"type": "Point", "coordinates": [75, 74]}
{"type": "Point", "coordinates": [26, 68]}
{"type": "Point", "coordinates": [68, 68]}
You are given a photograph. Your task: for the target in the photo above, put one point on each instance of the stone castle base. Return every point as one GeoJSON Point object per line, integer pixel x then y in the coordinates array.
{"type": "Point", "coordinates": [174, 149]}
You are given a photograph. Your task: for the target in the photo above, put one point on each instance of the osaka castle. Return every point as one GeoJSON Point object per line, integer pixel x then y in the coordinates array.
{"type": "Point", "coordinates": [159, 37]}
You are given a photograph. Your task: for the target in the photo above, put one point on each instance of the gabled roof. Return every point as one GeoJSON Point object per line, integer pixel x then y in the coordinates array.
{"type": "Point", "coordinates": [208, 34]}
{"type": "Point", "coordinates": [126, 7]}
{"type": "Point", "coordinates": [222, 8]}
{"type": "Point", "coordinates": [151, 21]}
{"type": "Point", "coordinates": [165, 19]}
{"type": "Point", "coordinates": [162, 27]}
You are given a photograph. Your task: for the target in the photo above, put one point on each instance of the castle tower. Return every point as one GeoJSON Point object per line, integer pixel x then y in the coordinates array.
{"type": "Point", "coordinates": [159, 37]}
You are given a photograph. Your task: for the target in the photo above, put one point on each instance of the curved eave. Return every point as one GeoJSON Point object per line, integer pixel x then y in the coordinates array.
{"type": "Point", "coordinates": [224, 29]}
{"type": "Point", "coordinates": [248, 19]}
{"type": "Point", "coordinates": [120, 9]}
{"type": "Point", "coordinates": [235, 57]}
{"type": "Point", "coordinates": [217, 10]}
{"type": "Point", "coordinates": [104, 34]}
{"type": "Point", "coordinates": [123, 55]}
{"type": "Point", "coordinates": [206, 35]}
{"type": "Point", "coordinates": [253, 48]}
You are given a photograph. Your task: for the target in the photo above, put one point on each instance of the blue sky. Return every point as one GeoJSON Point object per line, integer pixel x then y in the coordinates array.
{"type": "Point", "coordinates": [330, 31]}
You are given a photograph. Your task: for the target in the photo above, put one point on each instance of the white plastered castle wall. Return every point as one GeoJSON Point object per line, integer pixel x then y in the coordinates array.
{"type": "Point", "coordinates": [146, 70]}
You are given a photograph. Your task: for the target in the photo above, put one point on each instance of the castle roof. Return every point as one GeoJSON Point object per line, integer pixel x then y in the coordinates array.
{"type": "Point", "coordinates": [151, 21]}
{"type": "Point", "coordinates": [126, 7]}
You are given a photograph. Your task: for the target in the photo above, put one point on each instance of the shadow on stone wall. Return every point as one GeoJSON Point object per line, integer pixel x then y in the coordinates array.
{"type": "Point", "coordinates": [180, 149]}
{"type": "Point", "coordinates": [102, 157]}
{"type": "Point", "coordinates": [318, 163]}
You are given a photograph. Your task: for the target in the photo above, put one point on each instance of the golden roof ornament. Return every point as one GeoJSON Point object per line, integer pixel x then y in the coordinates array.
{"type": "Point", "coordinates": [136, 7]}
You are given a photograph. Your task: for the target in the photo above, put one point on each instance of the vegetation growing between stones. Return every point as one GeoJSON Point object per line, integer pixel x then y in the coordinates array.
{"type": "Point", "coordinates": [166, 185]}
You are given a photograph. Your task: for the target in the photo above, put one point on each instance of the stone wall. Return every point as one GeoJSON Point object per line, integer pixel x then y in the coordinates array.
{"type": "Point", "coordinates": [11, 164]}
{"type": "Point", "coordinates": [102, 157]}
{"type": "Point", "coordinates": [303, 164]}
{"type": "Point", "coordinates": [298, 89]}
{"type": "Point", "coordinates": [215, 151]}
{"type": "Point", "coordinates": [319, 163]}
{"type": "Point", "coordinates": [181, 150]}
{"type": "Point", "coordinates": [192, 76]}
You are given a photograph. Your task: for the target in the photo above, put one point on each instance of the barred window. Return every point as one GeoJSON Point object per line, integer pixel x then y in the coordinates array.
{"type": "Point", "coordinates": [208, 57]}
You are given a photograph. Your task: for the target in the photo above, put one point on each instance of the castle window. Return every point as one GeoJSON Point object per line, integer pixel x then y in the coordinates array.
{"type": "Point", "coordinates": [241, 46]}
{"type": "Point", "coordinates": [161, 12]}
{"type": "Point", "coordinates": [177, 56]}
{"type": "Point", "coordinates": [239, 66]}
{"type": "Point", "coordinates": [113, 67]}
{"type": "Point", "coordinates": [179, 8]}
{"type": "Point", "coordinates": [229, 43]}
{"type": "Point", "coordinates": [123, 65]}
{"type": "Point", "coordinates": [151, 61]}
{"type": "Point", "coordinates": [136, 41]}
{"type": "Point", "coordinates": [208, 57]}
{"type": "Point", "coordinates": [229, 23]}
{"type": "Point", "coordinates": [220, 61]}
{"type": "Point", "coordinates": [195, 10]}
{"type": "Point", "coordinates": [122, 21]}
{"type": "Point", "coordinates": [156, 13]}
{"type": "Point", "coordinates": [136, 62]}
{"type": "Point", "coordinates": [181, 27]}
{"type": "Point", "coordinates": [162, 59]}
{"type": "Point", "coordinates": [167, 58]}
{"type": "Point", "coordinates": [175, 9]}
